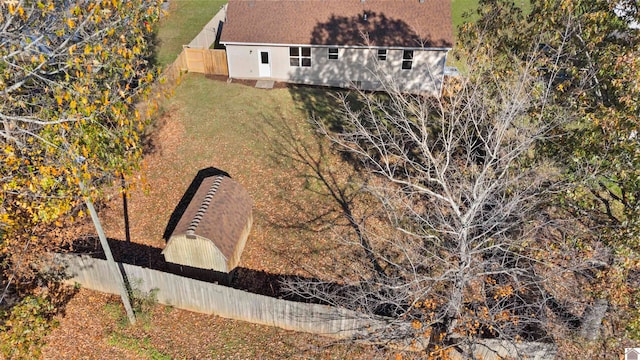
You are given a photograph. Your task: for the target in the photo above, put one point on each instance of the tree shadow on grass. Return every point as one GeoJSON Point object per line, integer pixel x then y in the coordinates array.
{"type": "Point", "coordinates": [338, 183]}
{"type": "Point", "coordinates": [326, 109]}
{"type": "Point", "coordinates": [321, 103]}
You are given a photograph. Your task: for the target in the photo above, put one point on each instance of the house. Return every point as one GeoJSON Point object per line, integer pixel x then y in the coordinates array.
{"type": "Point", "coordinates": [343, 43]}
{"type": "Point", "coordinates": [214, 227]}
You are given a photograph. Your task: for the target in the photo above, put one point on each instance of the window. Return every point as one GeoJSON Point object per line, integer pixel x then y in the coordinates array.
{"type": "Point", "coordinates": [300, 56]}
{"type": "Point", "coordinates": [264, 57]}
{"type": "Point", "coordinates": [333, 53]}
{"type": "Point", "coordinates": [294, 56]}
{"type": "Point", "coordinates": [407, 59]}
{"type": "Point", "coordinates": [382, 54]}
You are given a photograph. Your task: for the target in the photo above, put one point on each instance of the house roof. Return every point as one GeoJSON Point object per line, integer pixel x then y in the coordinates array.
{"type": "Point", "coordinates": [218, 211]}
{"type": "Point", "coordinates": [389, 23]}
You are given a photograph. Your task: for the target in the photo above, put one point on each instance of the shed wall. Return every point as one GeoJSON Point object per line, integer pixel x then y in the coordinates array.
{"type": "Point", "coordinates": [353, 64]}
{"type": "Point", "coordinates": [242, 240]}
{"type": "Point", "coordinates": [198, 252]}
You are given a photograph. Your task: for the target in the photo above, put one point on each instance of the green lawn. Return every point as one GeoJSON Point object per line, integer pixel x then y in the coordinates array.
{"type": "Point", "coordinates": [183, 22]}
{"type": "Point", "coordinates": [458, 8]}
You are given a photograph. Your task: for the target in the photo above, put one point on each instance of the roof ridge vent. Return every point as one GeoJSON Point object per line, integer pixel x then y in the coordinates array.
{"type": "Point", "coordinates": [191, 230]}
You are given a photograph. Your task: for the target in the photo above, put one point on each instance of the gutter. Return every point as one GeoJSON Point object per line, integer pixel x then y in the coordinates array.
{"type": "Point", "coordinates": [338, 46]}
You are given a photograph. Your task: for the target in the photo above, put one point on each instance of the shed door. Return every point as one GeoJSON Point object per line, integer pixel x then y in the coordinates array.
{"type": "Point", "coordinates": [264, 65]}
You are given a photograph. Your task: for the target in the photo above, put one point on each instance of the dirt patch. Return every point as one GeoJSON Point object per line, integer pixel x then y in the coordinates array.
{"type": "Point", "coordinates": [250, 83]}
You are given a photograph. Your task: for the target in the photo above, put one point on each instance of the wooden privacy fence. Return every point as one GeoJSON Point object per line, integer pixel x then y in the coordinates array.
{"type": "Point", "coordinates": [206, 61]}
{"type": "Point", "coordinates": [211, 31]}
{"type": "Point", "coordinates": [210, 298]}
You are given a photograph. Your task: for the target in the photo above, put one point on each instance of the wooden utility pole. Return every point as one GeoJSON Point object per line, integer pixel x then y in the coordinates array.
{"type": "Point", "coordinates": [124, 294]}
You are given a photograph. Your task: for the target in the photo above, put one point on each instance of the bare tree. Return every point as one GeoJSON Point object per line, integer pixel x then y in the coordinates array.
{"type": "Point", "coordinates": [595, 46]}
{"type": "Point", "coordinates": [471, 248]}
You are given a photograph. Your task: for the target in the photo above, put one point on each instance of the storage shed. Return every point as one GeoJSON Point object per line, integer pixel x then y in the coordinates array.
{"type": "Point", "coordinates": [213, 229]}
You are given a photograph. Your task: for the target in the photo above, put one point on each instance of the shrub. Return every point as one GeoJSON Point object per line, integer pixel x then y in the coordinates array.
{"type": "Point", "coordinates": [24, 327]}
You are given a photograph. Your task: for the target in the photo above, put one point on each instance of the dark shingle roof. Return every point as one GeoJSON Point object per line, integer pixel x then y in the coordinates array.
{"type": "Point", "coordinates": [218, 213]}
{"type": "Point", "coordinates": [389, 23]}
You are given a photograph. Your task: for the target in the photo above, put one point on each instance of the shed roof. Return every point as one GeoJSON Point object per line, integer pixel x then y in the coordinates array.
{"type": "Point", "coordinates": [218, 211]}
{"type": "Point", "coordinates": [389, 23]}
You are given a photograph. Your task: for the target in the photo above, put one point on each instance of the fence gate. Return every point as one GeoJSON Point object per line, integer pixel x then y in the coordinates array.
{"type": "Point", "coordinates": [207, 61]}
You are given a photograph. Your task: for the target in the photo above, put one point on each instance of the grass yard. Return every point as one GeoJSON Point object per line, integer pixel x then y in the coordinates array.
{"type": "Point", "coordinates": [233, 127]}
{"type": "Point", "coordinates": [97, 329]}
{"type": "Point", "coordinates": [183, 22]}
{"type": "Point", "coordinates": [237, 129]}
{"type": "Point", "coordinates": [458, 9]}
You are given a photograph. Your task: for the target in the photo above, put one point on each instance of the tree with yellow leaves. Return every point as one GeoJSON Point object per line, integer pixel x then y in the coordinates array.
{"type": "Point", "coordinates": [70, 76]}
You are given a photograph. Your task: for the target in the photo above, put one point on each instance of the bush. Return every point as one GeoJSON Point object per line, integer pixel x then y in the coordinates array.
{"type": "Point", "coordinates": [143, 302]}
{"type": "Point", "coordinates": [24, 327]}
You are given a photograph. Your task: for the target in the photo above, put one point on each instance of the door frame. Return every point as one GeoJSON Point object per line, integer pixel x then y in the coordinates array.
{"type": "Point", "coordinates": [264, 70]}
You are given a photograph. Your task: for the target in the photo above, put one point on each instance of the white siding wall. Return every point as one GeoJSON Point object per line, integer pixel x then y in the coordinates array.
{"type": "Point", "coordinates": [352, 65]}
{"type": "Point", "coordinates": [243, 61]}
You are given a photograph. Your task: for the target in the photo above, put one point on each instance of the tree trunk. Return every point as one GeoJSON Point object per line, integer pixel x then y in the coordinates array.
{"type": "Point", "coordinates": [454, 307]}
{"type": "Point", "coordinates": [592, 319]}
